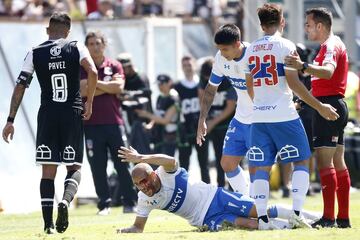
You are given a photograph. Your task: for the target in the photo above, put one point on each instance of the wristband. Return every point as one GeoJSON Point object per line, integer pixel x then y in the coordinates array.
{"type": "Point", "coordinates": [10, 119]}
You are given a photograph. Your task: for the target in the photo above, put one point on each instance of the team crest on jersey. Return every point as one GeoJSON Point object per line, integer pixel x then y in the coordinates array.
{"type": "Point", "coordinates": [108, 71]}
{"type": "Point", "coordinates": [55, 51]}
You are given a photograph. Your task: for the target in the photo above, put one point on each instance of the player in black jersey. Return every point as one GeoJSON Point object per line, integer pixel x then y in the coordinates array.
{"type": "Point", "coordinates": [188, 90]}
{"type": "Point", "coordinates": [164, 120]}
{"type": "Point", "coordinates": [59, 138]}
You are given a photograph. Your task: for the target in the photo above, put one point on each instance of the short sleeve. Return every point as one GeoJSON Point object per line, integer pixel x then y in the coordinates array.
{"type": "Point", "coordinates": [330, 55]}
{"type": "Point", "coordinates": [83, 51]}
{"type": "Point", "coordinates": [143, 209]}
{"type": "Point", "coordinates": [217, 76]}
{"type": "Point", "coordinates": [28, 65]}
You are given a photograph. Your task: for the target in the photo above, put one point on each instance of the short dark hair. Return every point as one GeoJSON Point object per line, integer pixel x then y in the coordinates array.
{"type": "Point", "coordinates": [96, 34]}
{"type": "Point", "coordinates": [321, 15]}
{"type": "Point", "coordinates": [60, 19]}
{"type": "Point", "coordinates": [187, 58]}
{"type": "Point", "coordinates": [206, 67]}
{"type": "Point", "coordinates": [270, 14]}
{"type": "Point", "coordinates": [227, 34]}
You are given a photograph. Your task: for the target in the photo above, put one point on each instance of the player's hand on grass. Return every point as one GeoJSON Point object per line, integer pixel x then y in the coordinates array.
{"type": "Point", "coordinates": [8, 131]}
{"type": "Point", "coordinates": [201, 132]}
{"type": "Point", "coordinates": [131, 229]}
{"type": "Point", "coordinates": [88, 111]}
{"type": "Point", "coordinates": [129, 155]}
{"type": "Point", "coordinates": [328, 112]}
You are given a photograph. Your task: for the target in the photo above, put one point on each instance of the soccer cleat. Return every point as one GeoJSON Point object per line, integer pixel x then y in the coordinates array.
{"type": "Point", "coordinates": [323, 223]}
{"type": "Point", "coordinates": [62, 221]}
{"type": "Point", "coordinates": [49, 228]}
{"type": "Point", "coordinates": [343, 223]}
{"type": "Point", "coordinates": [104, 212]}
{"type": "Point", "coordinates": [267, 226]}
{"type": "Point", "coordinates": [296, 221]}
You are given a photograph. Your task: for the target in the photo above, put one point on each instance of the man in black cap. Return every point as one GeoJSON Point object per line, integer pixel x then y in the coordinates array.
{"type": "Point", "coordinates": [164, 121]}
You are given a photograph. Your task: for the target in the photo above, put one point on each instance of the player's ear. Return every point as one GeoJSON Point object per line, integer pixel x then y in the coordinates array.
{"type": "Point", "coordinates": [67, 33]}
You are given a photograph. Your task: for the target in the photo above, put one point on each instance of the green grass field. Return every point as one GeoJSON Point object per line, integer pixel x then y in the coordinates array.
{"type": "Point", "coordinates": [84, 224]}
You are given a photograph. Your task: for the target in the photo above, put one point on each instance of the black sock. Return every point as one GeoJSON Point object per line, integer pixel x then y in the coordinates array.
{"type": "Point", "coordinates": [71, 184]}
{"type": "Point", "coordinates": [297, 212]}
{"type": "Point", "coordinates": [264, 218]}
{"type": "Point", "coordinates": [47, 192]}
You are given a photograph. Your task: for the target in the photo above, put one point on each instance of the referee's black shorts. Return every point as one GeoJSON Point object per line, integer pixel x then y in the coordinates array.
{"type": "Point", "coordinates": [330, 133]}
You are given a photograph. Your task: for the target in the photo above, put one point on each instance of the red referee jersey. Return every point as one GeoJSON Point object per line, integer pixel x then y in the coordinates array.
{"type": "Point", "coordinates": [332, 51]}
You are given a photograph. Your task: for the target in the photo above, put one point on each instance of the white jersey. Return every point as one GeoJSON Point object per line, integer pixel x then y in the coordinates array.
{"type": "Point", "coordinates": [272, 95]}
{"type": "Point", "coordinates": [234, 71]}
{"type": "Point", "coordinates": [177, 195]}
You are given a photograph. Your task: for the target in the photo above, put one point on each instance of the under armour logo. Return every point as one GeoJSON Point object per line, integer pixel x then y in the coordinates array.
{"type": "Point", "coordinates": [226, 66]}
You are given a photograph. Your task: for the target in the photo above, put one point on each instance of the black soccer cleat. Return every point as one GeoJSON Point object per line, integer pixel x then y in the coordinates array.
{"type": "Point", "coordinates": [343, 223]}
{"type": "Point", "coordinates": [49, 228]}
{"type": "Point", "coordinates": [62, 221]}
{"type": "Point", "coordinates": [323, 223]}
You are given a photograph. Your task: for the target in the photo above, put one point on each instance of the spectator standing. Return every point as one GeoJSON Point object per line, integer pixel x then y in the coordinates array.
{"type": "Point", "coordinates": [136, 95]}
{"type": "Point", "coordinates": [190, 110]}
{"type": "Point", "coordinates": [103, 131]}
{"type": "Point", "coordinates": [105, 11]}
{"type": "Point", "coordinates": [329, 77]}
{"type": "Point", "coordinates": [164, 120]}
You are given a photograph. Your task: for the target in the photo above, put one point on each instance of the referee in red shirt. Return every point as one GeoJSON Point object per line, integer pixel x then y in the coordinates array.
{"type": "Point", "coordinates": [328, 82]}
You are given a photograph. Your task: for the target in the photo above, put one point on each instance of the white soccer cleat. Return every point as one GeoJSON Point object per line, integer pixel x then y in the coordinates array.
{"type": "Point", "coordinates": [267, 226]}
{"type": "Point", "coordinates": [296, 221]}
{"type": "Point", "coordinates": [104, 212]}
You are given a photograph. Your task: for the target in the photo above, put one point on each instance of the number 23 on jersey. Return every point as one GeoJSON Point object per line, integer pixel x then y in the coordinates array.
{"type": "Point", "coordinates": [264, 70]}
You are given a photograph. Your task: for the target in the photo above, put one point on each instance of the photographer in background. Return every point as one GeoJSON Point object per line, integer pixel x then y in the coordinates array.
{"type": "Point", "coordinates": [135, 96]}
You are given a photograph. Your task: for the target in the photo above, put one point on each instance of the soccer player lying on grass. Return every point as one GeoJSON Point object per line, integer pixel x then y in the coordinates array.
{"type": "Point", "coordinates": [168, 188]}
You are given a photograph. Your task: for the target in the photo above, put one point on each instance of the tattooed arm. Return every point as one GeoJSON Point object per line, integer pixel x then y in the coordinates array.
{"type": "Point", "coordinates": [16, 99]}
{"type": "Point", "coordinates": [205, 105]}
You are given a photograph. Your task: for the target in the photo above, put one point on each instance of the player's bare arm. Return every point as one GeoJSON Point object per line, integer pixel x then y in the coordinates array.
{"type": "Point", "coordinates": [90, 68]}
{"type": "Point", "coordinates": [83, 89]}
{"type": "Point", "coordinates": [137, 227]}
{"type": "Point", "coordinates": [326, 110]}
{"type": "Point", "coordinates": [249, 85]}
{"type": "Point", "coordinates": [16, 99]}
{"type": "Point", "coordinates": [170, 113]}
{"type": "Point", "coordinates": [205, 105]}
{"type": "Point", "coordinates": [325, 72]}
{"type": "Point", "coordinates": [112, 87]}
{"type": "Point", "coordinates": [131, 155]}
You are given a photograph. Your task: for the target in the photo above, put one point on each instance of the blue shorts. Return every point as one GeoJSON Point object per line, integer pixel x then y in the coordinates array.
{"type": "Point", "coordinates": [285, 140]}
{"type": "Point", "coordinates": [237, 139]}
{"type": "Point", "coordinates": [227, 206]}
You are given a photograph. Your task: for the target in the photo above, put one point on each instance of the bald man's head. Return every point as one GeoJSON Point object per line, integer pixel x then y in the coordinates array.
{"type": "Point", "coordinates": [141, 169]}
{"type": "Point", "coordinates": [145, 179]}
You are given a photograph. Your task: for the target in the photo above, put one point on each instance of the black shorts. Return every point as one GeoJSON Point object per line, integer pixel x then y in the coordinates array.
{"type": "Point", "coordinates": [330, 133]}
{"type": "Point", "coordinates": [59, 138]}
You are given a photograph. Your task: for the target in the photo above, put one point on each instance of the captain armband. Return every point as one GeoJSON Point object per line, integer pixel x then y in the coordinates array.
{"type": "Point", "coordinates": [24, 79]}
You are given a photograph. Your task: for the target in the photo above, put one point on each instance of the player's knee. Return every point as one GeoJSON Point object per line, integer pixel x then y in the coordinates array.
{"type": "Point", "coordinates": [228, 166]}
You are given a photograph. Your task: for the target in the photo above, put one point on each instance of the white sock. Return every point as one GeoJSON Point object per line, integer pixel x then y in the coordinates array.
{"type": "Point", "coordinates": [284, 211]}
{"type": "Point", "coordinates": [261, 192]}
{"type": "Point", "coordinates": [300, 185]}
{"type": "Point", "coordinates": [251, 187]}
{"type": "Point", "coordinates": [238, 181]}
